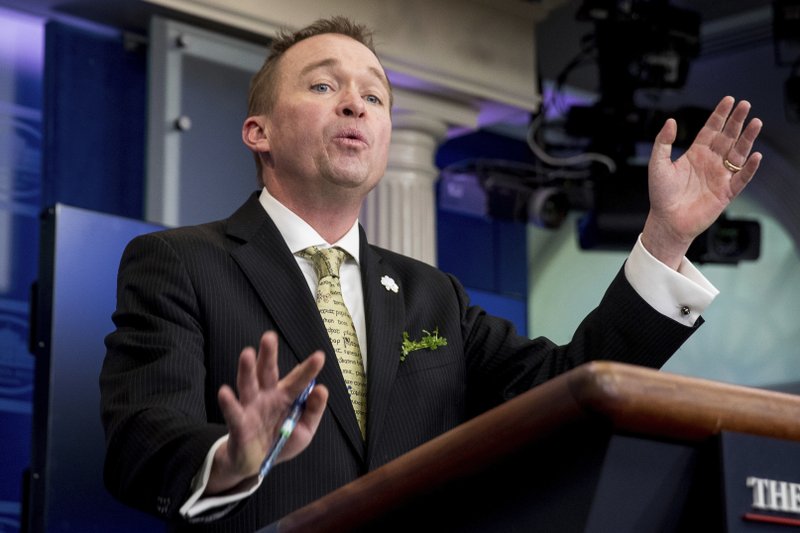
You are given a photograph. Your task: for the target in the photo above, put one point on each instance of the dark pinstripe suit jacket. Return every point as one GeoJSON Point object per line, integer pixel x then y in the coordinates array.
{"type": "Point", "coordinates": [190, 299]}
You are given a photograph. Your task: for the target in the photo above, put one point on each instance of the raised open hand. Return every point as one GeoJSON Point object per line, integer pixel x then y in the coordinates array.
{"type": "Point", "coordinates": [687, 195]}
{"type": "Point", "coordinates": [254, 418]}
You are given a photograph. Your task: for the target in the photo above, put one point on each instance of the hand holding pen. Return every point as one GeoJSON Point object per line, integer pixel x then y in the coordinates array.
{"type": "Point", "coordinates": [256, 417]}
{"type": "Point", "coordinates": [286, 429]}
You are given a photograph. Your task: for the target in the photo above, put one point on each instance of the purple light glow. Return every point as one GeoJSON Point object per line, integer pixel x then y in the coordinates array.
{"type": "Point", "coordinates": [21, 68]}
{"type": "Point", "coordinates": [21, 44]}
{"type": "Point", "coordinates": [558, 103]}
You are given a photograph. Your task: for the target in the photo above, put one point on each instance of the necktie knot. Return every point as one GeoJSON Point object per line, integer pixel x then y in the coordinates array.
{"type": "Point", "coordinates": [326, 261]}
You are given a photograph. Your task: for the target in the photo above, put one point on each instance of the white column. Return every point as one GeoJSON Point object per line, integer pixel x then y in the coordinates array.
{"type": "Point", "coordinates": [400, 213]}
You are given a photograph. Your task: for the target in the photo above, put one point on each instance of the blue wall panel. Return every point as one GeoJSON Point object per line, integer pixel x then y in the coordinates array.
{"type": "Point", "coordinates": [492, 262]}
{"type": "Point", "coordinates": [86, 114]}
{"type": "Point", "coordinates": [94, 107]}
{"type": "Point", "coordinates": [77, 296]}
{"type": "Point", "coordinates": [21, 56]}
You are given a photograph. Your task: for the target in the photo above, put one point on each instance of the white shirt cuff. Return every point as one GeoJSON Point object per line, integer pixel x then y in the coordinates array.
{"type": "Point", "coordinates": [682, 295]}
{"type": "Point", "coordinates": [197, 505]}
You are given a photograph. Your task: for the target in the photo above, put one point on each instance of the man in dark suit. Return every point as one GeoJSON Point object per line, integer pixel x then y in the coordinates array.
{"type": "Point", "coordinates": [182, 444]}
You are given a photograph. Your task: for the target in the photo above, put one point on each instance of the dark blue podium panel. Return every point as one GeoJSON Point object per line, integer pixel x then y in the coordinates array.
{"type": "Point", "coordinates": [761, 478]}
{"type": "Point", "coordinates": [643, 486]}
{"type": "Point", "coordinates": [79, 259]}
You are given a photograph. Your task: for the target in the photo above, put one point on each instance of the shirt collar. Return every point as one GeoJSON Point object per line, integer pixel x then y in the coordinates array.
{"type": "Point", "coordinates": [299, 235]}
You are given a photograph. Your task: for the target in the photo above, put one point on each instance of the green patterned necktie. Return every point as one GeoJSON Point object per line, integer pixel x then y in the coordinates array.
{"type": "Point", "coordinates": [340, 326]}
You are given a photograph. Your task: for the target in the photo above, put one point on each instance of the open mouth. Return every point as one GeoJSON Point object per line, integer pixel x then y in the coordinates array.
{"type": "Point", "coordinates": [351, 135]}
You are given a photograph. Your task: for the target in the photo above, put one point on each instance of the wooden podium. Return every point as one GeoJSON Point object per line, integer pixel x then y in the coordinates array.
{"type": "Point", "coordinates": [604, 447]}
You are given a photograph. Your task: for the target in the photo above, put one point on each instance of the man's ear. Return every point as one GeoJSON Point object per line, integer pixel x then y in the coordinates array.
{"type": "Point", "coordinates": [254, 134]}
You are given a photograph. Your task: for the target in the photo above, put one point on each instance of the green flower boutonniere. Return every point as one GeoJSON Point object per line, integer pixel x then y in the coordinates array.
{"type": "Point", "coordinates": [431, 341]}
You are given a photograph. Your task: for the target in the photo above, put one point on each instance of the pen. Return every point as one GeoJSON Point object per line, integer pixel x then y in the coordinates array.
{"type": "Point", "coordinates": [286, 429]}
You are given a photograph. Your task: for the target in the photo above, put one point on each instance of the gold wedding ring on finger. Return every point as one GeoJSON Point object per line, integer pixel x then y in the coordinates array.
{"type": "Point", "coordinates": [730, 166]}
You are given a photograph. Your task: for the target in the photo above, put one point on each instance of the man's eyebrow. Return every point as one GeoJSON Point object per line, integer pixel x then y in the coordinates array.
{"type": "Point", "coordinates": [332, 62]}
{"type": "Point", "coordinates": [329, 62]}
{"type": "Point", "coordinates": [382, 77]}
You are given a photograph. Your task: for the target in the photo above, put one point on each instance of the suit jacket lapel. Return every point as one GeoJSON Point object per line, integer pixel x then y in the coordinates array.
{"type": "Point", "coordinates": [269, 265]}
{"type": "Point", "coordinates": [385, 315]}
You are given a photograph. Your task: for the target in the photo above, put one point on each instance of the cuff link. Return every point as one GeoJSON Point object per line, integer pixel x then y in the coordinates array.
{"type": "Point", "coordinates": [162, 504]}
{"type": "Point", "coordinates": [685, 311]}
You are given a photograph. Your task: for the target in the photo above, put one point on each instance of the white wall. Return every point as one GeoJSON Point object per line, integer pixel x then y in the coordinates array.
{"type": "Point", "coordinates": [752, 333]}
